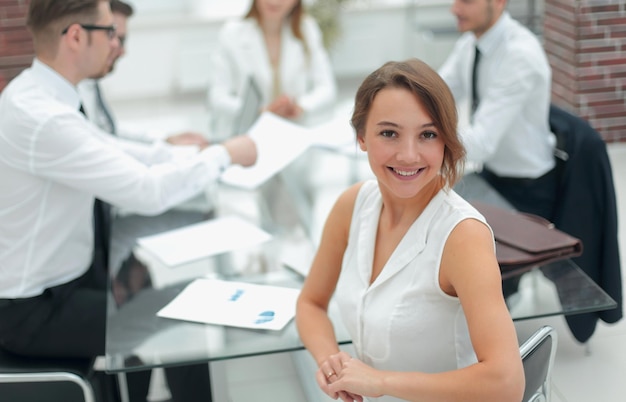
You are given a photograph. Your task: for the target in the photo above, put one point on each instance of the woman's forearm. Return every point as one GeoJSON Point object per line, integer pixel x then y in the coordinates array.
{"type": "Point", "coordinates": [316, 331]}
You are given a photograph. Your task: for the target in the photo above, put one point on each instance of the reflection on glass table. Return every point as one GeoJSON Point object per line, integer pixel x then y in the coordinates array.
{"type": "Point", "coordinates": [143, 284]}
{"type": "Point", "coordinates": [138, 338]}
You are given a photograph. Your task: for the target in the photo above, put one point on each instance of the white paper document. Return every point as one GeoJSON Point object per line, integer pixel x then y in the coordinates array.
{"type": "Point", "coordinates": [235, 304]}
{"type": "Point", "coordinates": [279, 142]}
{"type": "Point", "coordinates": [203, 239]}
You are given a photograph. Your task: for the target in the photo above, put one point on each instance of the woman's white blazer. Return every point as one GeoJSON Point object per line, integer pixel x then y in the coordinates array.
{"type": "Point", "coordinates": [242, 53]}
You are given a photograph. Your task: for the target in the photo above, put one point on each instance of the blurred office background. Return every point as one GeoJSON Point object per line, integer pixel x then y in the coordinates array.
{"type": "Point", "coordinates": [162, 81]}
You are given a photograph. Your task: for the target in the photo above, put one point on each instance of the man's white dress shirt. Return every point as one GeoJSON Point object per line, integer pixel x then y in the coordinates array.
{"type": "Point", "coordinates": [510, 133]}
{"type": "Point", "coordinates": [98, 112]}
{"type": "Point", "coordinates": [53, 163]}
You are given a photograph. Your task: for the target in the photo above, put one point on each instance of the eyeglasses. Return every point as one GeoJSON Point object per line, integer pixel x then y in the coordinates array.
{"type": "Point", "coordinates": [110, 29]}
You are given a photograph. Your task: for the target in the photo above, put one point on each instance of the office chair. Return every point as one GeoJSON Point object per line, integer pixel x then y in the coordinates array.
{"type": "Point", "coordinates": [27, 379]}
{"type": "Point", "coordinates": [538, 353]}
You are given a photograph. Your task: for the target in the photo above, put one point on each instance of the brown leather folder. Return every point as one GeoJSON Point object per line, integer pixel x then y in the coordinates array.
{"type": "Point", "coordinates": [524, 241]}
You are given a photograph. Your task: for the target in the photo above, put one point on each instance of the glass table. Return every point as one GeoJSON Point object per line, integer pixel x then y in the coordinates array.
{"type": "Point", "coordinates": [137, 339]}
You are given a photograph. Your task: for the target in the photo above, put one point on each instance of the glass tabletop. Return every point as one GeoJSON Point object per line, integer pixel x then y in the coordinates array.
{"type": "Point", "coordinates": [288, 208]}
{"type": "Point", "coordinates": [142, 283]}
{"type": "Point", "coordinates": [138, 339]}
{"type": "Point", "coordinates": [558, 288]}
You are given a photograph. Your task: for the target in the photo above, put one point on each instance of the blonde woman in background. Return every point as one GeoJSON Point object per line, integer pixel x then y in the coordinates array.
{"type": "Point", "coordinates": [281, 48]}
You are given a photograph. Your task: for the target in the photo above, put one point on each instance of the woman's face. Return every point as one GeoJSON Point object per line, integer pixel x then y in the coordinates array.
{"type": "Point", "coordinates": [403, 146]}
{"type": "Point", "coordinates": [275, 10]}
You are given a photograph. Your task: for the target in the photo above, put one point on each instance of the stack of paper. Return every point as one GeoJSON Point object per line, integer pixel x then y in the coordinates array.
{"type": "Point", "coordinates": [204, 239]}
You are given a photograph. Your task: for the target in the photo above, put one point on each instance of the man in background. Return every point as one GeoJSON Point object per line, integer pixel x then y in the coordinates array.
{"type": "Point", "coordinates": [499, 69]}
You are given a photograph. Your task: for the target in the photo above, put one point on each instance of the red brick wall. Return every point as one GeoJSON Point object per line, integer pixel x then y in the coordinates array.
{"type": "Point", "coordinates": [16, 48]}
{"type": "Point", "coordinates": [586, 44]}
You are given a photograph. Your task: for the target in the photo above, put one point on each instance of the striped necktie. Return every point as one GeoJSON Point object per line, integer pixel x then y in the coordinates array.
{"type": "Point", "coordinates": [105, 110]}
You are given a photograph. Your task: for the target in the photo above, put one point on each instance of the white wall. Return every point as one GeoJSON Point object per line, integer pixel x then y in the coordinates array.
{"type": "Point", "coordinates": [170, 43]}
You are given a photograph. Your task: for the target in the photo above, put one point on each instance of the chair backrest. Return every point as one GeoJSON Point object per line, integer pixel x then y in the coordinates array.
{"type": "Point", "coordinates": [538, 353]}
{"type": "Point", "coordinates": [27, 379]}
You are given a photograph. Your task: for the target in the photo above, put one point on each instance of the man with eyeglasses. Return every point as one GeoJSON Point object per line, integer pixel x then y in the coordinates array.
{"type": "Point", "coordinates": [53, 164]}
{"type": "Point", "coordinates": [99, 112]}
{"type": "Point", "coordinates": [110, 29]}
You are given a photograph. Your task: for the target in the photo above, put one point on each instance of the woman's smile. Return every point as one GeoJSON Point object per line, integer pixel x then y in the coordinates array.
{"type": "Point", "coordinates": [405, 172]}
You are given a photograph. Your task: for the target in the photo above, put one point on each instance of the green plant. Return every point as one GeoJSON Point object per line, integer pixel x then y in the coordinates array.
{"type": "Point", "coordinates": [327, 14]}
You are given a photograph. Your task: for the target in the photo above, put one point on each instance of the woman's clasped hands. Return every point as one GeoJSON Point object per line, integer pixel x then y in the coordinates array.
{"type": "Point", "coordinates": [286, 107]}
{"type": "Point", "coordinates": [343, 377]}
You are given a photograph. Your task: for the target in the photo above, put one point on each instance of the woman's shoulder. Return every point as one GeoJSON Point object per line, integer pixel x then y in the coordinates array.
{"type": "Point", "coordinates": [459, 207]}
{"type": "Point", "coordinates": [308, 20]}
{"type": "Point", "coordinates": [309, 25]}
{"type": "Point", "coordinates": [340, 216]}
{"type": "Point", "coordinates": [366, 189]}
{"type": "Point", "coordinates": [353, 197]}
{"type": "Point", "coordinates": [351, 194]}
{"type": "Point", "coordinates": [461, 216]}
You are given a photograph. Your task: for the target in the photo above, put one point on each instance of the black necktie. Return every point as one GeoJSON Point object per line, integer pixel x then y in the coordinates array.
{"type": "Point", "coordinates": [105, 109]}
{"type": "Point", "coordinates": [475, 99]}
{"type": "Point", "coordinates": [101, 231]}
{"type": "Point", "coordinates": [102, 234]}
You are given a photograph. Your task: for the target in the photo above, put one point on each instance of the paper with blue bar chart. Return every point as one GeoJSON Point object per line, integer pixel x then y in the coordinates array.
{"type": "Point", "coordinates": [235, 304]}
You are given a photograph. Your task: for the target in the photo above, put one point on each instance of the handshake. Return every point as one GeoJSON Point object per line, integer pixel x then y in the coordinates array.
{"type": "Point", "coordinates": [242, 149]}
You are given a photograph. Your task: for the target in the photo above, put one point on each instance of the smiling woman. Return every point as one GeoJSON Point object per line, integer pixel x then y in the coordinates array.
{"type": "Point", "coordinates": [424, 307]}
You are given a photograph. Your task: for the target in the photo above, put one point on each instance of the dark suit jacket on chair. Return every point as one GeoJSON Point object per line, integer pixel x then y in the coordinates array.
{"type": "Point", "coordinates": [586, 208]}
